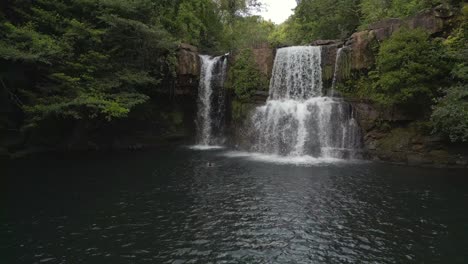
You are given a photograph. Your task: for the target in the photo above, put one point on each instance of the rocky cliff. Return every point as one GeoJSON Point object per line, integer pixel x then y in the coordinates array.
{"type": "Point", "coordinates": [188, 70]}
{"type": "Point", "coordinates": [391, 135]}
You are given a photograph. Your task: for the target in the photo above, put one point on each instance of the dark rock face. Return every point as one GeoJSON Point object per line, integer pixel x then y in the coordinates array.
{"type": "Point", "coordinates": [264, 57]}
{"type": "Point", "coordinates": [328, 62]}
{"type": "Point", "coordinates": [188, 47]}
{"type": "Point", "coordinates": [393, 136]}
{"type": "Point", "coordinates": [327, 42]}
{"type": "Point", "coordinates": [4, 154]}
{"type": "Point", "coordinates": [428, 21]}
{"type": "Point", "coordinates": [361, 53]}
{"type": "Point", "coordinates": [188, 70]}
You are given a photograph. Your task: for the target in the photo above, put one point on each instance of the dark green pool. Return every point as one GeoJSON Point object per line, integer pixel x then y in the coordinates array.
{"type": "Point", "coordinates": [171, 206]}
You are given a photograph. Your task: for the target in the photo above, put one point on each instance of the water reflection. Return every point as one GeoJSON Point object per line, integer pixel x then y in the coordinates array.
{"type": "Point", "coordinates": [170, 207]}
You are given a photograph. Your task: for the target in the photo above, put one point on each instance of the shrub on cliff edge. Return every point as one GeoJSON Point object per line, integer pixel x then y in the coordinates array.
{"type": "Point", "coordinates": [411, 68]}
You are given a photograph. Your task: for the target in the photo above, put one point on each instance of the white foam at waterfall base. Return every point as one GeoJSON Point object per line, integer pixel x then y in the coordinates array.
{"type": "Point", "coordinates": [205, 147]}
{"type": "Point", "coordinates": [304, 160]}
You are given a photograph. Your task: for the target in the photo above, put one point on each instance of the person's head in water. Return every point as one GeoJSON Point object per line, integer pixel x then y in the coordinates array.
{"type": "Point", "coordinates": [209, 164]}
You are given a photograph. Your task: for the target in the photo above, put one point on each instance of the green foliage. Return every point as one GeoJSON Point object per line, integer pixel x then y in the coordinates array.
{"type": "Point", "coordinates": [198, 23]}
{"type": "Point", "coordinates": [233, 8]}
{"type": "Point", "coordinates": [96, 61]}
{"type": "Point", "coordinates": [410, 69]}
{"type": "Point", "coordinates": [457, 49]}
{"type": "Point", "coordinates": [282, 35]}
{"type": "Point", "coordinates": [238, 110]}
{"type": "Point", "coordinates": [450, 116]}
{"type": "Point", "coordinates": [244, 77]}
{"type": "Point", "coordinates": [89, 59]}
{"type": "Point", "coordinates": [375, 10]}
{"type": "Point", "coordinates": [323, 19]}
{"type": "Point", "coordinates": [25, 44]}
{"type": "Point", "coordinates": [247, 32]}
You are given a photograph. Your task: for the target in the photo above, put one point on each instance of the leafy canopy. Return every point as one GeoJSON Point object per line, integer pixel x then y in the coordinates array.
{"type": "Point", "coordinates": [450, 115]}
{"type": "Point", "coordinates": [410, 69]}
{"type": "Point", "coordinates": [244, 77]}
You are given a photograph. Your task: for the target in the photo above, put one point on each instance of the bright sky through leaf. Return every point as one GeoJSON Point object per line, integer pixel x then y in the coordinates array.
{"type": "Point", "coordinates": [278, 10]}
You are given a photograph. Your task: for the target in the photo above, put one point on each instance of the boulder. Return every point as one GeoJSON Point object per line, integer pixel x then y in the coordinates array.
{"type": "Point", "coordinates": [428, 21]}
{"type": "Point", "coordinates": [188, 47]}
{"type": "Point", "coordinates": [361, 54]}
{"type": "Point", "coordinates": [366, 113]}
{"type": "Point", "coordinates": [188, 63]}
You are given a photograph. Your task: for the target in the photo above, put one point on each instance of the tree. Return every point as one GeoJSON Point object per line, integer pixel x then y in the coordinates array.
{"type": "Point", "coordinates": [247, 32]}
{"type": "Point", "coordinates": [324, 19]}
{"type": "Point", "coordinates": [410, 69]}
{"type": "Point", "coordinates": [375, 10]}
{"type": "Point", "coordinates": [198, 22]}
{"type": "Point", "coordinates": [244, 77]}
{"type": "Point", "coordinates": [450, 116]}
{"type": "Point", "coordinates": [86, 60]}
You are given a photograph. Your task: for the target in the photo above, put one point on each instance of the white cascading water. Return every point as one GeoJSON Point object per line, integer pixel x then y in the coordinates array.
{"type": "Point", "coordinates": [298, 120]}
{"type": "Point", "coordinates": [211, 100]}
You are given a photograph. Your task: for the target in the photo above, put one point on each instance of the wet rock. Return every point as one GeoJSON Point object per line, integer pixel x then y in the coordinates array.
{"type": "Point", "coordinates": [361, 53]}
{"type": "Point", "coordinates": [441, 157]}
{"type": "Point", "coordinates": [329, 52]}
{"type": "Point", "coordinates": [4, 154]}
{"type": "Point", "coordinates": [188, 70]}
{"type": "Point", "coordinates": [461, 162]}
{"type": "Point", "coordinates": [188, 62]}
{"type": "Point", "coordinates": [260, 97]}
{"type": "Point", "coordinates": [418, 160]}
{"type": "Point", "coordinates": [327, 42]}
{"type": "Point", "coordinates": [188, 47]}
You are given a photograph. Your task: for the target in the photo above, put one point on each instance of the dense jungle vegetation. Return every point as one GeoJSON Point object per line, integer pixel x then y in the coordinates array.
{"type": "Point", "coordinates": [97, 60]}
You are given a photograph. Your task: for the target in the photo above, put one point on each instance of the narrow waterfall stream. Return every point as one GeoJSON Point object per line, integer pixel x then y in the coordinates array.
{"type": "Point", "coordinates": [298, 120]}
{"type": "Point", "coordinates": [339, 53]}
{"type": "Point", "coordinates": [211, 101]}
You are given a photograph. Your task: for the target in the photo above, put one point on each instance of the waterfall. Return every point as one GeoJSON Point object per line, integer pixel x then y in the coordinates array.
{"type": "Point", "coordinates": [339, 53]}
{"type": "Point", "coordinates": [298, 120]}
{"type": "Point", "coordinates": [211, 101]}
